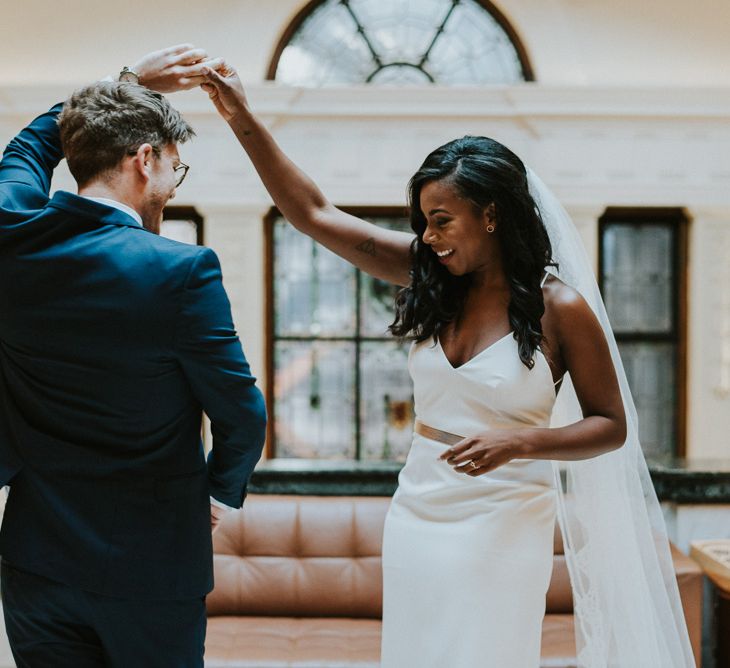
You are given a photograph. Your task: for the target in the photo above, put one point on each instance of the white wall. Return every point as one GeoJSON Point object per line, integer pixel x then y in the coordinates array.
{"type": "Point", "coordinates": [632, 108]}
{"type": "Point", "coordinates": [570, 42]}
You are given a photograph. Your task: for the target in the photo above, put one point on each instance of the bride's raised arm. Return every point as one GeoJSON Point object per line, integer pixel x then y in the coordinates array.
{"type": "Point", "coordinates": [377, 251]}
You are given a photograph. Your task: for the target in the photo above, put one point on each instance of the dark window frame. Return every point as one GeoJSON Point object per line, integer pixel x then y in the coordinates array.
{"type": "Point", "coordinates": [270, 330]}
{"type": "Point", "coordinates": [186, 213]}
{"type": "Point", "coordinates": [679, 220]}
{"type": "Point", "coordinates": [294, 25]}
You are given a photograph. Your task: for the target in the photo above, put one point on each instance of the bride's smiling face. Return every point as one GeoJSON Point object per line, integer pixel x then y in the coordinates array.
{"type": "Point", "coordinates": [456, 230]}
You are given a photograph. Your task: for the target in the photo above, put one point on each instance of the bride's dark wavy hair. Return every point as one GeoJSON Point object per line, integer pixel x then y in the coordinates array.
{"type": "Point", "coordinates": [484, 172]}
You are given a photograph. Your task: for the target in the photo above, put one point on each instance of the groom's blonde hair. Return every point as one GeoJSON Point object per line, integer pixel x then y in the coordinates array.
{"type": "Point", "coordinates": [102, 123]}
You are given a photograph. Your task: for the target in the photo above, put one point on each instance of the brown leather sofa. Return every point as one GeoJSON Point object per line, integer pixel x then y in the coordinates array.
{"type": "Point", "coordinates": [298, 585]}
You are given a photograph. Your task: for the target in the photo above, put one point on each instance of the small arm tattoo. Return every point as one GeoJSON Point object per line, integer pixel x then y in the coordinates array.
{"type": "Point", "coordinates": [367, 247]}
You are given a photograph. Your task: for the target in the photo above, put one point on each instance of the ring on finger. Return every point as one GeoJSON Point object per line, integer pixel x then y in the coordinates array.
{"type": "Point", "coordinates": [473, 465]}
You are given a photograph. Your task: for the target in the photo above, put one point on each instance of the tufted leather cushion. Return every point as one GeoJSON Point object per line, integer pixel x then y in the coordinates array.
{"type": "Point", "coordinates": [558, 642]}
{"type": "Point", "coordinates": [300, 557]}
{"type": "Point", "coordinates": [284, 642]}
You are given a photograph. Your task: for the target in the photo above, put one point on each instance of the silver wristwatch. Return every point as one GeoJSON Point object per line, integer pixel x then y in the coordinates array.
{"type": "Point", "coordinates": [128, 75]}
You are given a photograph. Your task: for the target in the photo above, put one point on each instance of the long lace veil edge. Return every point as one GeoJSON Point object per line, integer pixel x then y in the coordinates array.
{"type": "Point", "coordinates": [626, 600]}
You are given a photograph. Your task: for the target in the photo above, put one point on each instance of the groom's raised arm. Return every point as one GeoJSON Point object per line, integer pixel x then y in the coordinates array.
{"type": "Point", "coordinates": [28, 162]}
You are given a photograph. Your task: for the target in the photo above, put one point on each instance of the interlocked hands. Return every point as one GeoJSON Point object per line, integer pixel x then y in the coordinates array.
{"type": "Point", "coordinates": [175, 68]}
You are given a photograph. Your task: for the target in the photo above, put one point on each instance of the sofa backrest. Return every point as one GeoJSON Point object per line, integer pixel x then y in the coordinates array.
{"type": "Point", "coordinates": [300, 556]}
{"type": "Point", "coordinates": [308, 556]}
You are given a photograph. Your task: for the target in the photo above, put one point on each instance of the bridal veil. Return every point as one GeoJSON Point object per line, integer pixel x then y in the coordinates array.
{"type": "Point", "coordinates": [627, 607]}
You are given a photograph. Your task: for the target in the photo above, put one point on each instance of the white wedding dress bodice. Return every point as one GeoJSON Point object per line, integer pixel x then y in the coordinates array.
{"type": "Point", "coordinates": [493, 390]}
{"type": "Point", "coordinates": [467, 560]}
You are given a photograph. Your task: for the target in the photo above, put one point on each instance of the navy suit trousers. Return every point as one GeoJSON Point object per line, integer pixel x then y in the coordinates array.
{"type": "Point", "coordinates": [52, 625]}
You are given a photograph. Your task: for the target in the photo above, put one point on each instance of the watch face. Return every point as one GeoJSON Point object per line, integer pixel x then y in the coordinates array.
{"type": "Point", "coordinates": [128, 76]}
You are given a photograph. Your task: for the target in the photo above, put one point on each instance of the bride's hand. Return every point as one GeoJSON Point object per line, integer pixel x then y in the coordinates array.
{"type": "Point", "coordinates": [484, 452]}
{"type": "Point", "coordinates": [225, 90]}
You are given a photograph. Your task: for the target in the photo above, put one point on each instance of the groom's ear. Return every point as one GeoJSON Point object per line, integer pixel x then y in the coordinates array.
{"type": "Point", "coordinates": [141, 161]}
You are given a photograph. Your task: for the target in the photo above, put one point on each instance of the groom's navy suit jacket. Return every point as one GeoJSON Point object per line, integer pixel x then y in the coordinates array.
{"type": "Point", "coordinates": [112, 342]}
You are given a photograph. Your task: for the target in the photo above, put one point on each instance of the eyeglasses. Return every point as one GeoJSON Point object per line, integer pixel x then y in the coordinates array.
{"type": "Point", "coordinates": [180, 172]}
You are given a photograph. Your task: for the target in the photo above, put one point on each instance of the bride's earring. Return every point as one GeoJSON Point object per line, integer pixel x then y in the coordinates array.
{"type": "Point", "coordinates": [490, 215]}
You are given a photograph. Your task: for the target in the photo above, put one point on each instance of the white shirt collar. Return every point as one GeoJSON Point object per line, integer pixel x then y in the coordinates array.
{"type": "Point", "coordinates": [117, 205]}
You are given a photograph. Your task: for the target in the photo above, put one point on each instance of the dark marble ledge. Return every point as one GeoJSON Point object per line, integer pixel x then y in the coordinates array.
{"type": "Point", "coordinates": [683, 466]}
{"type": "Point", "coordinates": [675, 480]}
{"type": "Point", "coordinates": [693, 481]}
{"type": "Point", "coordinates": [306, 476]}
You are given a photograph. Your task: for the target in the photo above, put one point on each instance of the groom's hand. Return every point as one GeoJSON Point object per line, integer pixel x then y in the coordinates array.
{"type": "Point", "coordinates": [175, 68]}
{"type": "Point", "coordinates": [216, 515]}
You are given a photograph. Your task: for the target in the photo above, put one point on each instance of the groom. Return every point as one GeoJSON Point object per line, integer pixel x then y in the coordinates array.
{"type": "Point", "coordinates": [113, 340]}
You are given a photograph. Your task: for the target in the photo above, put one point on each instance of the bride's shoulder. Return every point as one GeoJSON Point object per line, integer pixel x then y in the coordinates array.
{"type": "Point", "coordinates": [565, 307]}
{"type": "Point", "coordinates": [557, 294]}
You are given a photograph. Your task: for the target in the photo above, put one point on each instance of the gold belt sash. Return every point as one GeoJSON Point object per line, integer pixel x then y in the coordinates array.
{"type": "Point", "coordinates": [436, 434]}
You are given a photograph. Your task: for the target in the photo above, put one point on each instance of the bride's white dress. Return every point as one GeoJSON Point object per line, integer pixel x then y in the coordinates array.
{"type": "Point", "coordinates": [467, 561]}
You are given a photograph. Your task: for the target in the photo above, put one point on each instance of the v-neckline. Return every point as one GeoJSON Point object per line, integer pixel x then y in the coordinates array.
{"type": "Point", "coordinates": [471, 359]}
{"type": "Point", "coordinates": [489, 347]}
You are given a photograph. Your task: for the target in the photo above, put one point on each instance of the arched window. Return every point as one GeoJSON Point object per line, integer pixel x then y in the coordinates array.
{"type": "Point", "coordinates": [400, 42]}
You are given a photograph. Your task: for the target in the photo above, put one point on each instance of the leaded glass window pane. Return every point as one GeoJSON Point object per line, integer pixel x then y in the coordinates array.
{"type": "Point", "coordinates": [314, 289]}
{"type": "Point", "coordinates": [399, 42]}
{"type": "Point", "coordinates": [639, 264]}
{"type": "Point", "coordinates": [474, 50]}
{"type": "Point", "coordinates": [341, 383]}
{"type": "Point", "coordinates": [315, 407]}
{"type": "Point", "coordinates": [324, 51]}
{"type": "Point", "coordinates": [638, 286]}
{"type": "Point", "coordinates": [650, 370]}
{"type": "Point", "coordinates": [386, 401]}
{"type": "Point", "coordinates": [377, 297]}
{"type": "Point", "coordinates": [376, 306]}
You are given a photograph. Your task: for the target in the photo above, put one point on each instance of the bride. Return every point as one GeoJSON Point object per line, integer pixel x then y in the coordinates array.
{"type": "Point", "coordinates": [523, 416]}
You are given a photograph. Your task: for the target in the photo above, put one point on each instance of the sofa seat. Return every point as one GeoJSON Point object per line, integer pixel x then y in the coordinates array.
{"type": "Point", "coordinates": [280, 642]}
{"type": "Point", "coordinates": [558, 642]}
{"type": "Point", "coordinates": [288, 642]}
